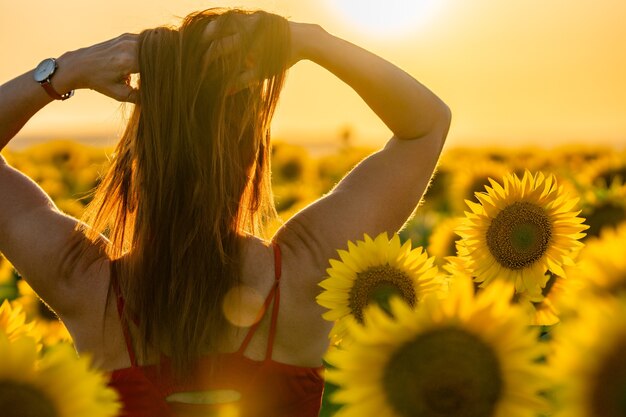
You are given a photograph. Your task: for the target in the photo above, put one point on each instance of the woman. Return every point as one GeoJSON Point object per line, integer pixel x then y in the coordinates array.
{"type": "Point", "coordinates": [154, 286]}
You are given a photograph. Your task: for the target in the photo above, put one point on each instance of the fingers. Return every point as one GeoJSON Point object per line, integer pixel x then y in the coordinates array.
{"type": "Point", "coordinates": [211, 31]}
{"type": "Point", "coordinates": [215, 30]}
{"type": "Point", "coordinates": [224, 46]}
{"type": "Point", "coordinates": [125, 93]}
{"type": "Point", "coordinates": [226, 40]}
{"type": "Point", "coordinates": [133, 96]}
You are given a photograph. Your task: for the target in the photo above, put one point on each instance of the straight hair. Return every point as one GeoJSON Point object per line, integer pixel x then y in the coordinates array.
{"type": "Point", "coordinates": [191, 176]}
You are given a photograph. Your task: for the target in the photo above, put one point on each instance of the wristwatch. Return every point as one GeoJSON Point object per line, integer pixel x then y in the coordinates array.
{"type": "Point", "coordinates": [43, 74]}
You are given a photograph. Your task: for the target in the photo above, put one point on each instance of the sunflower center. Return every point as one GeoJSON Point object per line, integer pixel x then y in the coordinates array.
{"type": "Point", "coordinates": [25, 401]}
{"type": "Point", "coordinates": [445, 372]}
{"type": "Point", "coordinates": [377, 285]}
{"type": "Point", "coordinates": [519, 235]}
{"type": "Point", "coordinates": [608, 393]}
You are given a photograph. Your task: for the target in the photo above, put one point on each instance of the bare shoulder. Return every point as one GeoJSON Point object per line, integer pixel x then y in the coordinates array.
{"type": "Point", "coordinates": [301, 330]}
{"type": "Point", "coordinates": [256, 263]}
{"type": "Point", "coordinates": [94, 322]}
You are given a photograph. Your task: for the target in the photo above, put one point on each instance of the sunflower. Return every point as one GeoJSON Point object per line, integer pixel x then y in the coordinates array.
{"type": "Point", "coordinates": [577, 157]}
{"type": "Point", "coordinates": [604, 172]}
{"type": "Point", "coordinates": [601, 265]}
{"type": "Point", "coordinates": [457, 267]}
{"type": "Point", "coordinates": [542, 311]}
{"type": "Point", "coordinates": [604, 208]}
{"type": "Point", "coordinates": [57, 385]}
{"type": "Point", "coordinates": [589, 365]}
{"type": "Point", "coordinates": [521, 230]}
{"type": "Point", "coordinates": [370, 271]}
{"type": "Point", "coordinates": [473, 178]}
{"type": "Point", "coordinates": [292, 164]}
{"type": "Point", "coordinates": [332, 168]}
{"type": "Point", "coordinates": [47, 323]}
{"type": "Point", "coordinates": [6, 271]}
{"type": "Point", "coordinates": [528, 158]}
{"type": "Point", "coordinates": [442, 240]}
{"type": "Point", "coordinates": [7, 279]}
{"type": "Point", "coordinates": [13, 322]}
{"type": "Point", "coordinates": [547, 310]}
{"type": "Point", "coordinates": [467, 355]}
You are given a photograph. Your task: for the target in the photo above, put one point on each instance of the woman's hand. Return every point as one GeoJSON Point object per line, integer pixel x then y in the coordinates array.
{"type": "Point", "coordinates": [225, 42]}
{"type": "Point", "coordinates": [105, 67]}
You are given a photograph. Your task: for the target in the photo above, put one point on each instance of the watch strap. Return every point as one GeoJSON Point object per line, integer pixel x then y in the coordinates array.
{"type": "Point", "coordinates": [53, 93]}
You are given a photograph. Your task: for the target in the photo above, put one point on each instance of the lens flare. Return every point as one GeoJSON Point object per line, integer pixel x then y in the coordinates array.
{"type": "Point", "coordinates": [242, 306]}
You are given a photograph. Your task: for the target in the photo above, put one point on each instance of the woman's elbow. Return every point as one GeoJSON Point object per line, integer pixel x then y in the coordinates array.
{"type": "Point", "coordinates": [440, 119]}
{"type": "Point", "coordinates": [444, 115]}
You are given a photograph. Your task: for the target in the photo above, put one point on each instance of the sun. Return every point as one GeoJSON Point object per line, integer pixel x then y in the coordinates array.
{"type": "Point", "coordinates": [385, 17]}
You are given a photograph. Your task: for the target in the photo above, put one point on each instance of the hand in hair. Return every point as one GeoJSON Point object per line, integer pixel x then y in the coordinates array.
{"type": "Point", "coordinates": [260, 41]}
{"type": "Point", "coordinates": [105, 67]}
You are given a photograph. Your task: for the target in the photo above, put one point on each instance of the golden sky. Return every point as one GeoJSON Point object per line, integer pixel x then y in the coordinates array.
{"type": "Point", "coordinates": [513, 72]}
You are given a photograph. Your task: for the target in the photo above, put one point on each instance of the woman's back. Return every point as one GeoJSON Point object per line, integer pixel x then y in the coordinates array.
{"type": "Point", "coordinates": [299, 325]}
{"type": "Point", "coordinates": [227, 380]}
{"type": "Point", "coordinates": [187, 182]}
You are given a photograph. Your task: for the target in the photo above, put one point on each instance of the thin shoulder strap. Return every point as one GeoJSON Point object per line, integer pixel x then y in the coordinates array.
{"type": "Point", "coordinates": [120, 312]}
{"type": "Point", "coordinates": [274, 295]}
{"type": "Point", "coordinates": [277, 273]}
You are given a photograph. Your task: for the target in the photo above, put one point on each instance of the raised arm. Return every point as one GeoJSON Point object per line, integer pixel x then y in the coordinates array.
{"type": "Point", "coordinates": [104, 67]}
{"type": "Point", "coordinates": [381, 192]}
{"type": "Point", "coordinates": [34, 235]}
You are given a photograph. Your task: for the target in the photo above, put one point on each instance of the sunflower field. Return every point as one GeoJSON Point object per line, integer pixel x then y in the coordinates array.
{"type": "Point", "coordinates": [504, 295]}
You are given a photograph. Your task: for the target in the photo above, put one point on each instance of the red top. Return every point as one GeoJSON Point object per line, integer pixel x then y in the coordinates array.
{"type": "Point", "coordinates": [238, 386]}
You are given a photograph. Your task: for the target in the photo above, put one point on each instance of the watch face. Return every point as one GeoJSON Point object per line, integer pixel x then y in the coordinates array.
{"type": "Point", "coordinates": [44, 70]}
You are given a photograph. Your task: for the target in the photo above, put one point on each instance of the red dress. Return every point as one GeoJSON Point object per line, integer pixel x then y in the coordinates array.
{"type": "Point", "coordinates": [237, 387]}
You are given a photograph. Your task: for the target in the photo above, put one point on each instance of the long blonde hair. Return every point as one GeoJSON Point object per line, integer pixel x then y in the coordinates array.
{"type": "Point", "coordinates": [190, 176]}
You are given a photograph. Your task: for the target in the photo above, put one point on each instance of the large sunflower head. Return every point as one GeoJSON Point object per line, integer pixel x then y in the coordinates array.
{"type": "Point", "coordinates": [467, 355]}
{"type": "Point", "coordinates": [57, 385]}
{"type": "Point", "coordinates": [521, 229]}
{"type": "Point", "coordinates": [370, 272]}
{"type": "Point", "coordinates": [588, 365]}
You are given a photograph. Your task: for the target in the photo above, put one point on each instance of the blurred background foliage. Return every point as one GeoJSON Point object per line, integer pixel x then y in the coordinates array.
{"type": "Point", "coordinates": [68, 171]}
